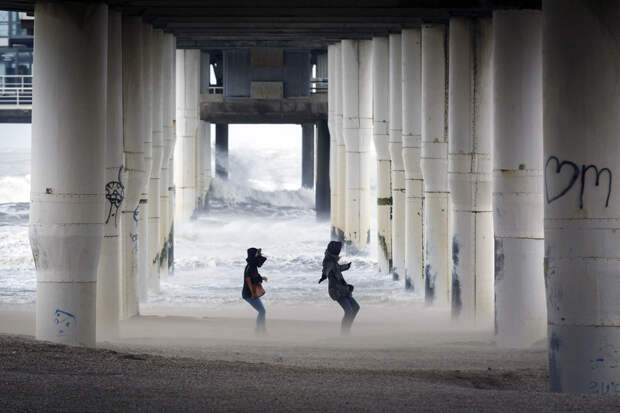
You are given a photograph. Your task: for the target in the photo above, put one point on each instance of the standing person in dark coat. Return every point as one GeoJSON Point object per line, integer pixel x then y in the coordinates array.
{"type": "Point", "coordinates": [339, 290]}
{"type": "Point", "coordinates": [251, 279]}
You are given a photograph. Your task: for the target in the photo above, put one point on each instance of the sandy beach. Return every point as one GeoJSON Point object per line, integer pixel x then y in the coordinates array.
{"type": "Point", "coordinates": [199, 359]}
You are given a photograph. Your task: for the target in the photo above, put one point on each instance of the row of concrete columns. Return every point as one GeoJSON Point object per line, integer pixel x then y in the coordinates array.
{"type": "Point", "coordinates": [458, 132]}
{"type": "Point", "coordinates": [103, 132]}
{"type": "Point", "coordinates": [432, 117]}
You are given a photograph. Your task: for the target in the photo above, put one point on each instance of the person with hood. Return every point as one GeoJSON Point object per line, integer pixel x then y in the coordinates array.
{"type": "Point", "coordinates": [338, 288]}
{"type": "Point", "coordinates": [252, 288]}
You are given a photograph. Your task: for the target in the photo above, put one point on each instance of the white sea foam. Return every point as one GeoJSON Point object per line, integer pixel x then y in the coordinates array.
{"type": "Point", "coordinates": [14, 189]}
{"type": "Point", "coordinates": [260, 205]}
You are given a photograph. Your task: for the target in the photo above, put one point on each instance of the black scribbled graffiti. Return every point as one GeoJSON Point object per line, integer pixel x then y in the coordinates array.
{"type": "Point", "coordinates": [576, 173]}
{"type": "Point", "coordinates": [457, 303]}
{"type": "Point", "coordinates": [584, 170]}
{"type": "Point", "coordinates": [136, 213]}
{"type": "Point", "coordinates": [114, 193]}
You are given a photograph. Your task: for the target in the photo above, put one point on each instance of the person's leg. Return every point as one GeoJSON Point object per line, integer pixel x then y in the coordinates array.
{"type": "Point", "coordinates": [346, 320]}
{"type": "Point", "coordinates": [355, 307]}
{"type": "Point", "coordinates": [257, 304]}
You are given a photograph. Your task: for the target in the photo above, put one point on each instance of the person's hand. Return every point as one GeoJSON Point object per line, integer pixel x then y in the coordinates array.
{"type": "Point", "coordinates": [265, 279]}
{"type": "Point", "coordinates": [351, 288]}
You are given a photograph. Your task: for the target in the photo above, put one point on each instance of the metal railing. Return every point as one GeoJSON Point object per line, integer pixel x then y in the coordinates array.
{"type": "Point", "coordinates": [318, 85]}
{"type": "Point", "coordinates": [15, 90]}
{"type": "Point", "coordinates": [216, 90]}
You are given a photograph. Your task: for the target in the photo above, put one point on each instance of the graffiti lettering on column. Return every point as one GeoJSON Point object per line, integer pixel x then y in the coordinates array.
{"type": "Point", "coordinates": [114, 193]}
{"type": "Point", "coordinates": [65, 322]}
{"type": "Point", "coordinates": [584, 171]}
{"type": "Point", "coordinates": [576, 172]}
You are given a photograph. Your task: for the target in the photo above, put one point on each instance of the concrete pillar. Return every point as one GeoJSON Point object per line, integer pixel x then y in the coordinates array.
{"type": "Point", "coordinates": [171, 185]}
{"type": "Point", "coordinates": [307, 155]}
{"type": "Point", "coordinates": [133, 147]}
{"type": "Point", "coordinates": [157, 122]}
{"type": "Point", "coordinates": [187, 89]}
{"type": "Point", "coordinates": [110, 264]}
{"type": "Point", "coordinates": [582, 208]}
{"type": "Point", "coordinates": [168, 109]}
{"type": "Point", "coordinates": [332, 90]}
{"type": "Point", "coordinates": [380, 126]}
{"type": "Point", "coordinates": [470, 128]}
{"type": "Point", "coordinates": [434, 163]}
{"type": "Point", "coordinates": [203, 154]}
{"type": "Point", "coordinates": [144, 262]}
{"type": "Point", "coordinates": [341, 166]}
{"type": "Point", "coordinates": [67, 186]}
{"type": "Point", "coordinates": [517, 178]}
{"type": "Point", "coordinates": [396, 156]}
{"type": "Point", "coordinates": [205, 72]}
{"type": "Point", "coordinates": [412, 148]}
{"type": "Point", "coordinates": [221, 150]}
{"type": "Point", "coordinates": [357, 101]}
{"type": "Point", "coordinates": [321, 192]}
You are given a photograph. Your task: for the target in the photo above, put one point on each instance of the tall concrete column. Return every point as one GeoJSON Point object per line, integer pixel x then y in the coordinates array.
{"type": "Point", "coordinates": [380, 126]}
{"type": "Point", "coordinates": [67, 186]}
{"type": "Point", "coordinates": [171, 184]}
{"type": "Point", "coordinates": [341, 165]}
{"type": "Point", "coordinates": [204, 162]}
{"type": "Point", "coordinates": [307, 155]}
{"type": "Point", "coordinates": [434, 163]}
{"type": "Point", "coordinates": [133, 147]}
{"type": "Point", "coordinates": [582, 207]}
{"type": "Point", "coordinates": [332, 90]}
{"type": "Point", "coordinates": [412, 148]}
{"type": "Point", "coordinates": [356, 99]}
{"type": "Point", "coordinates": [221, 150]}
{"type": "Point", "coordinates": [157, 122]}
{"type": "Point", "coordinates": [203, 143]}
{"type": "Point", "coordinates": [321, 192]}
{"type": "Point", "coordinates": [517, 178]}
{"type": "Point", "coordinates": [470, 128]}
{"type": "Point", "coordinates": [188, 91]}
{"type": "Point", "coordinates": [110, 263]}
{"type": "Point", "coordinates": [168, 109]}
{"type": "Point", "coordinates": [396, 156]}
{"type": "Point", "coordinates": [144, 262]}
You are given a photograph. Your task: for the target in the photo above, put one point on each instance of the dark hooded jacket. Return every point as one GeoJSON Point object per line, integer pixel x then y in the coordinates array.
{"type": "Point", "coordinates": [254, 260]}
{"type": "Point", "coordinates": [338, 287]}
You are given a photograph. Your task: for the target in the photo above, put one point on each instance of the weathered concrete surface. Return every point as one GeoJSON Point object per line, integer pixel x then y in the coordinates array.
{"type": "Point", "coordinates": [218, 109]}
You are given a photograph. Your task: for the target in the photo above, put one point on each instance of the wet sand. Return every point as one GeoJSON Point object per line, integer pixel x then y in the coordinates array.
{"type": "Point", "coordinates": [397, 359]}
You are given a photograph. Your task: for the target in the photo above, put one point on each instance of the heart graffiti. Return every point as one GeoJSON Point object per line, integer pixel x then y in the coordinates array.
{"type": "Point", "coordinates": [558, 168]}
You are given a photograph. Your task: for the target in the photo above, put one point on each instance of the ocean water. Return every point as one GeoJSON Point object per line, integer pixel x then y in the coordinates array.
{"type": "Point", "coordinates": [261, 205]}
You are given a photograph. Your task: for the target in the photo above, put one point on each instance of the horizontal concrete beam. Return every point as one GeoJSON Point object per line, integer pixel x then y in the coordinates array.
{"type": "Point", "coordinates": [15, 116]}
{"type": "Point", "coordinates": [218, 109]}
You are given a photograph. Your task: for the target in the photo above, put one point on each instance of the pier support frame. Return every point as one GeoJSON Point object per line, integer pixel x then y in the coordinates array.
{"type": "Point", "coordinates": [434, 163]}
{"type": "Point", "coordinates": [67, 204]}
{"type": "Point", "coordinates": [185, 173]}
{"type": "Point", "coordinates": [357, 118]}
{"type": "Point", "coordinates": [412, 148]}
{"type": "Point", "coordinates": [133, 147]}
{"type": "Point", "coordinates": [380, 126]}
{"type": "Point", "coordinates": [517, 178]}
{"type": "Point", "coordinates": [582, 219]}
{"type": "Point", "coordinates": [307, 155]}
{"type": "Point", "coordinates": [110, 262]}
{"type": "Point", "coordinates": [221, 150]}
{"type": "Point", "coordinates": [470, 129]}
{"type": "Point", "coordinates": [321, 191]}
{"type": "Point", "coordinates": [396, 156]}
{"type": "Point", "coordinates": [332, 90]}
